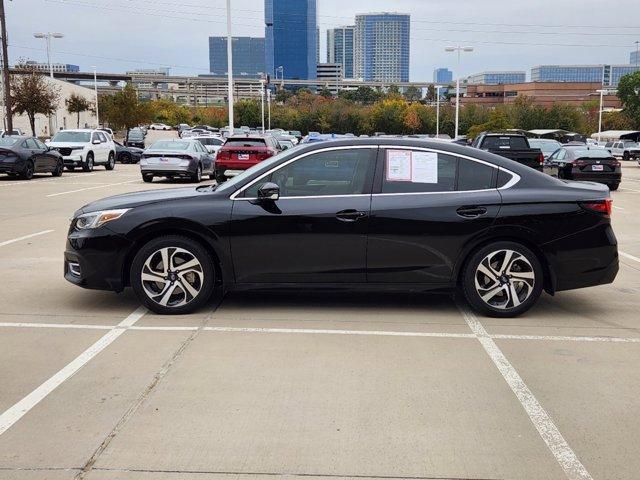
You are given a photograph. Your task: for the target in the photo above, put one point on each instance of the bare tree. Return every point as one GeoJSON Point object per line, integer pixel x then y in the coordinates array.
{"type": "Point", "coordinates": [32, 94]}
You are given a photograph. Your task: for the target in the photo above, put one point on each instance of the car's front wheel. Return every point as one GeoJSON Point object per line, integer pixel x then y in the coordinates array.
{"type": "Point", "coordinates": [503, 279]}
{"type": "Point", "coordinates": [58, 170]}
{"type": "Point", "coordinates": [87, 166]}
{"type": "Point", "coordinates": [173, 275]}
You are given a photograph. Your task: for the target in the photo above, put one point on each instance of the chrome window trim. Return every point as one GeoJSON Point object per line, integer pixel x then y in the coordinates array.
{"type": "Point", "coordinates": [277, 167]}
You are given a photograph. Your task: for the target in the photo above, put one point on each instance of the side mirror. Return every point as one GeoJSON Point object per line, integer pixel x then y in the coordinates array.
{"type": "Point", "coordinates": [96, 142]}
{"type": "Point", "coordinates": [269, 191]}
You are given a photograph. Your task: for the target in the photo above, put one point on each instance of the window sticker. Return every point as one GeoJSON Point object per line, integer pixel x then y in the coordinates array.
{"type": "Point", "coordinates": [398, 166]}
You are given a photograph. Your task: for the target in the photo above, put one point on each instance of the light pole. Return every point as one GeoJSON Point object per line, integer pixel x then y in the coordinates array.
{"type": "Point", "coordinates": [47, 40]}
{"type": "Point", "coordinates": [269, 106]}
{"type": "Point", "coordinates": [437, 87]}
{"type": "Point", "coordinates": [262, 102]}
{"type": "Point", "coordinates": [281, 70]}
{"type": "Point", "coordinates": [458, 49]}
{"type": "Point", "coordinates": [601, 92]}
{"type": "Point", "coordinates": [95, 91]}
{"type": "Point", "coordinates": [230, 67]}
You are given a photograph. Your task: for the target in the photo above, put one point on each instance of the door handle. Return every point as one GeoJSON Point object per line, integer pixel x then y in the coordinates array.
{"type": "Point", "coordinates": [471, 212]}
{"type": "Point", "coordinates": [350, 215]}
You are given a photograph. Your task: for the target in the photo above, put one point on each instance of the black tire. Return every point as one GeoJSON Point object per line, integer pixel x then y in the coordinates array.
{"type": "Point", "coordinates": [125, 158]}
{"type": "Point", "coordinates": [87, 166]}
{"type": "Point", "coordinates": [197, 176]}
{"type": "Point", "coordinates": [613, 186]}
{"type": "Point", "coordinates": [27, 173]}
{"type": "Point", "coordinates": [58, 170]}
{"type": "Point", "coordinates": [179, 248]}
{"type": "Point", "coordinates": [220, 178]}
{"type": "Point", "coordinates": [526, 291]}
{"type": "Point", "coordinates": [111, 162]}
{"type": "Point", "coordinates": [147, 177]}
{"type": "Point", "coordinates": [71, 169]}
{"type": "Point", "coordinates": [626, 156]}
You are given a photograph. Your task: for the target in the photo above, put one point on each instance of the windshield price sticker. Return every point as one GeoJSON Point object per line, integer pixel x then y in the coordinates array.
{"type": "Point", "coordinates": [409, 166]}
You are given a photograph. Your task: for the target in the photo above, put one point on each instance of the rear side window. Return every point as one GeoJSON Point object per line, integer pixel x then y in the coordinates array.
{"type": "Point", "coordinates": [474, 175]}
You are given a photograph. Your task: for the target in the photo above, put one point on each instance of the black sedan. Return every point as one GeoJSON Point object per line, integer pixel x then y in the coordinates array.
{"type": "Point", "coordinates": [374, 213]}
{"type": "Point", "coordinates": [25, 156]}
{"type": "Point", "coordinates": [127, 154]}
{"type": "Point", "coordinates": [135, 138]}
{"type": "Point", "coordinates": [580, 162]}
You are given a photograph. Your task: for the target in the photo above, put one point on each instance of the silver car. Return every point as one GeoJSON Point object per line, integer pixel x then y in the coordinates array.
{"type": "Point", "coordinates": [184, 158]}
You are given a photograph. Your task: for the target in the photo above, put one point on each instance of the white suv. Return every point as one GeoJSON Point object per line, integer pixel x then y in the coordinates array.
{"type": "Point", "coordinates": [85, 148]}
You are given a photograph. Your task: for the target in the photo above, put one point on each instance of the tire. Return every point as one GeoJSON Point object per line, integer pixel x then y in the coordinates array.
{"type": "Point", "coordinates": [125, 158]}
{"type": "Point", "coordinates": [188, 289]}
{"type": "Point", "coordinates": [27, 173]}
{"type": "Point", "coordinates": [197, 176]}
{"type": "Point", "coordinates": [87, 166]}
{"type": "Point", "coordinates": [111, 162]}
{"type": "Point", "coordinates": [147, 178]}
{"type": "Point", "coordinates": [626, 156]}
{"type": "Point", "coordinates": [71, 169]}
{"type": "Point", "coordinates": [613, 186]}
{"type": "Point", "coordinates": [489, 273]}
{"type": "Point", "coordinates": [220, 178]}
{"type": "Point", "coordinates": [59, 169]}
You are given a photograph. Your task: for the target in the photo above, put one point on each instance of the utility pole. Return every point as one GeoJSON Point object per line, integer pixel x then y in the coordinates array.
{"type": "Point", "coordinates": [5, 68]}
{"type": "Point", "coordinates": [230, 66]}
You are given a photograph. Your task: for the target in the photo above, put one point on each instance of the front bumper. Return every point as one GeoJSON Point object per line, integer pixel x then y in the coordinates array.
{"type": "Point", "coordinates": [73, 160]}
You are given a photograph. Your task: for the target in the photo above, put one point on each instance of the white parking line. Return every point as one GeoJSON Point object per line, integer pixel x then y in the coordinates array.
{"type": "Point", "coordinates": [90, 188]}
{"type": "Point", "coordinates": [565, 456]}
{"type": "Point", "coordinates": [628, 189]}
{"type": "Point", "coordinates": [17, 411]}
{"type": "Point", "coordinates": [9, 242]}
{"type": "Point", "coordinates": [617, 208]}
{"type": "Point", "coordinates": [37, 180]}
{"type": "Point", "coordinates": [630, 257]}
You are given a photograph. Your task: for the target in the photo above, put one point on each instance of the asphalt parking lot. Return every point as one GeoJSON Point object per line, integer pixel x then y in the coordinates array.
{"type": "Point", "coordinates": [308, 386]}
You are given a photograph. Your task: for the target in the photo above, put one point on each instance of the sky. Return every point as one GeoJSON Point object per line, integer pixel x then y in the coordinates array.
{"type": "Point", "coordinates": [120, 35]}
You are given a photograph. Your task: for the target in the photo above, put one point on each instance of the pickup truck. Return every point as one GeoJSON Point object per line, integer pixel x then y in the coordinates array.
{"type": "Point", "coordinates": [513, 146]}
{"type": "Point", "coordinates": [625, 149]}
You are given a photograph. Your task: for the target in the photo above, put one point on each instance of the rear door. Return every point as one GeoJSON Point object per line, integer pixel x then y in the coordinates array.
{"type": "Point", "coordinates": [36, 155]}
{"type": "Point", "coordinates": [426, 206]}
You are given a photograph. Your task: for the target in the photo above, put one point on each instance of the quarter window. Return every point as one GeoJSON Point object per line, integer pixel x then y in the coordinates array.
{"type": "Point", "coordinates": [474, 175]}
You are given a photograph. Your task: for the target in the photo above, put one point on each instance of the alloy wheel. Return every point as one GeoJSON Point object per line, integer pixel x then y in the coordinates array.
{"type": "Point", "coordinates": [504, 279]}
{"type": "Point", "coordinates": [172, 277]}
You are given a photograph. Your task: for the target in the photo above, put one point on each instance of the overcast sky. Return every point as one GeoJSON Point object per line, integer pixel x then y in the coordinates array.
{"type": "Point", "coordinates": [118, 35]}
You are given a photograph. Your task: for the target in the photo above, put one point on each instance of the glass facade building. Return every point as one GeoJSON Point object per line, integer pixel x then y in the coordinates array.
{"type": "Point", "coordinates": [382, 47]}
{"type": "Point", "coordinates": [442, 75]}
{"type": "Point", "coordinates": [291, 38]}
{"type": "Point", "coordinates": [497, 78]}
{"type": "Point", "coordinates": [634, 58]}
{"type": "Point", "coordinates": [340, 48]}
{"type": "Point", "coordinates": [608, 75]}
{"type": "Point", "coordinates": [248, 56]}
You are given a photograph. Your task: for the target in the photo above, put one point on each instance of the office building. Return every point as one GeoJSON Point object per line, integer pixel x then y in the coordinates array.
{"type": "Point", "coordinates": [44, 67]}
{"type": "Point", "coordinates": [497, 78]}
{"type": "Point", "coordinates": [442, 75]}
{"type": "Point", "coordinates": [290, 38]}
{"type": "Point", "coordinates": [331, 73]}
{"type": "Point", "coordinates": [607, 75]}
{"type": "Point", "coordinates": [382, 47]}
{"type": "Point", "coordinates": [340, 48]}
{"type": "Point", "coordinates": [248, 56]}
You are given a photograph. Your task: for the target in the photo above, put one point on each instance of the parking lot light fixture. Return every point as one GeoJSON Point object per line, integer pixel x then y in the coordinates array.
{"type": "Point", "coordinates": [458, 49]}
{"type": "Point", "coordinates": [437, 87]}
{"type": "Point", "coordinates": [95, 91]}
{"type": "Point", "coordinates": [230, 66]}
{"type": "Point", "coordinates": [47, 38]}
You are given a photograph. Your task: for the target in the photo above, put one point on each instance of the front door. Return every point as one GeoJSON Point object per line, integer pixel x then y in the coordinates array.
{"type": "Point", "coordinates": [316, 232]}
{"type": "Point", "coordinates": [426, 206]}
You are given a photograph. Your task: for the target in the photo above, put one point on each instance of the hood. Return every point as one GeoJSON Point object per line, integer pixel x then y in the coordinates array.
{"type": "Point", "coordinates": [135, 199]}
{"type": "Point", "coordinates": [67, 144]}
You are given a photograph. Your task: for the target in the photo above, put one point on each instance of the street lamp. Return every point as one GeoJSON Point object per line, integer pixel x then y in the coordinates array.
{"type": "Point", "coordinates": [458, 49]}
{"type": "Point", "coordinates": [47, 37]}
{"type": "Point", "coordinates": [95, 90]}
{"type": "Point", "coordinates": [437, 87]}
{"type": "Point", "coordinates": [269, 107]}
{"type": "Point", "coordinates": [230, 67]}
{"type": "Point", "coordinates": [262, 82]}
{"type": "Point", "coordinates": [281, 70]}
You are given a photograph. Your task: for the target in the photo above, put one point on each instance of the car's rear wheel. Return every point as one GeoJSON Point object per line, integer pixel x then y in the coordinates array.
{"type": "Point", "coordinates": [87, 166]}
{"type": "Point", "coordinates": [197, 176]}
{"type": "Point", "coordinates": [173, 275]}
{"type": "Point", "coordinates": [27, 173]}
{"type": "Point", "coordinates": [503, 279]}
{"type": "Point", "coordinates": [146, 177]}
{"type": "Point", "coordinates": [220, 177]}
{"type": "Point", "coordinates": [626, 156]}
{"type": "Point", "coordinates": [613, 186]}
{"type": "Point", "coordinates": [111, 163]}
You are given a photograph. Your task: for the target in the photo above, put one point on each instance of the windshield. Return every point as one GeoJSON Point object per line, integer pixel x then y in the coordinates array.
{"type": "Point", "coordinates": [169, 145]}
{"type": "Point", "coordinates": [136, 134]}
{"type": "Point", "coordinates": [8, 141]}
{"type": "Point", "coordinates": [71, 137]}
{"type": "Point", "coordinates": [595, 153]}
{"type": "Point", "coordinates": [235, 182]}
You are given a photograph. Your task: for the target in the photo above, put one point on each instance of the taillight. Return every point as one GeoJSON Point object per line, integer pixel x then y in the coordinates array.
{"type": "Point", "coordinates": [600, 206]}
{"type": "Point", "coordinates": [541, 158]}
{"type": "Point", "coordinates": [223, 155]}
{"type": "Point", "coordinates": [579, 163]}
{"type": "Point", "coordinates": [616, 163]}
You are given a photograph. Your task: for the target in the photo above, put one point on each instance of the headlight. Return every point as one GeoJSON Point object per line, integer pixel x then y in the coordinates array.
{"type": "Point", "coordinates": [96, 219]}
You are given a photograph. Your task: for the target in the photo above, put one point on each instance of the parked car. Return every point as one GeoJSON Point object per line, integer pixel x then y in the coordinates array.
{"type": "Point", "coordinates": [625, 149]}
{"type": "Point", "coordinates": [241, 152]}
{"type": "Point", "coordinates": [85, 148]}
{"type": "Point", "coordinates": [181, 127]}
{"type": "Point", "coordinates": [514, 146]}
{"type": "Point", "coordinates": [24, 156]}
{"type": "Point", "coordinates": [107, 130]}
{"type": "Point", "coordinates": [211, 143]}
{"type": "Point", "coordinates": [546, 145]}
{"type": "Point", "coordinates": [587, 164]}
{"type": "Point", "coordinates": [13, 133]}
{"type": "Point", "coordinates": [135, 138]}
{"type": "Point", "coordinates": [126, 154]}
{"type": "Point", "coordinates": [297, 134]}
{"type": "Point", "coordinates": [382, 214]}
{"type": "Point", "coordinates": [159, 126]}
{"type": "Point", "coordinates": [285, 144]}
{"type": "Point", "coordinates": [176, 158]}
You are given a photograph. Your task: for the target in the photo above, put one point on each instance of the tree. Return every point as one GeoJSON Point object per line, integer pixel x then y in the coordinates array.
{"type": "Point", "coordinates": [77, 104]}
{"type": "Point", "coordinates": [629, 95]}
{"type": "Point", "coordinates": [325, 92]}
{"type": "Point", "coordinates": [412, 120]}
{"type": "Point", "coordinates": [124, 110]}
{"type": "Point", "coordinates": [413, 94]}
{"type": "Point", "coordinates": [32, 94]}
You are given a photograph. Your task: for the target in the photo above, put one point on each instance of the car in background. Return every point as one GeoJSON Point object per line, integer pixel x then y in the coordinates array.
{"type": "Point", "coordinates": [238, 153]}
{"type": "Point", "coordinates": [135, 138]}
{"type": "Point", "coordinates": [13, 133]}
{"type": "Point", "coordinates": [22, 157]}
{"type": "Point", "coordinates": [182, 127]}
{"type": "Point", "coordinates": [185, 158]}
{"type": "Point", "coordinates": [514, 146]}
{"type": "Point", "coordinates": [211, 143]}
{"type": "Point", "coordinates": [586, 164]}
{"type": "Point", "coordinates": [106, 130]}
{"type": "Point", "coordinates": [286, 136]}
{"type": "Point", "coordinates": [285, 144]}
{"type": "Point", "coordinates": [85, 148]}
{"type": "Point", "coordinates": [159, 126]}
{"type": "Point", "coordinates": [625, 149]}
{"type": "Point", "coordinates": [546, 145]}
{"type": "Point", "coordinates": [297, 134]}
{"type": "Point", "coordinates": [125, 154]}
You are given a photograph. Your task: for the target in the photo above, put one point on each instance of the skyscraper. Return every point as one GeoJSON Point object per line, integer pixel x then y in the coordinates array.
{"type": "Point", "coordinates": [442, 75]}
{"type": "Point", "coordinates": [382, 47]}
{"type": "Point", "coordinates": [290, 38]}
{"type": "Point", "coordinates": [340, 48]}
{"type": "Point", "coordinates": [248, 56]}
{"type": "Point", "coordinates": [634, 58]}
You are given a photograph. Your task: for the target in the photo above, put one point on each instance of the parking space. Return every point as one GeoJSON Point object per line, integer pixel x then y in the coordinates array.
{"type": "Point", "coordinates": [259, 386]}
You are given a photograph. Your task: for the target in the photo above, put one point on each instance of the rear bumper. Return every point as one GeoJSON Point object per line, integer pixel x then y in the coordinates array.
{"type": "Point", "coordinates": [12, 167]}
{"type": "Point", "coordinates": [604, 177]}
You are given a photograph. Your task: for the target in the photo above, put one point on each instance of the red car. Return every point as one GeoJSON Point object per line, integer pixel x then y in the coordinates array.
{"type": "Point", "coordinates": [241, 152]}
